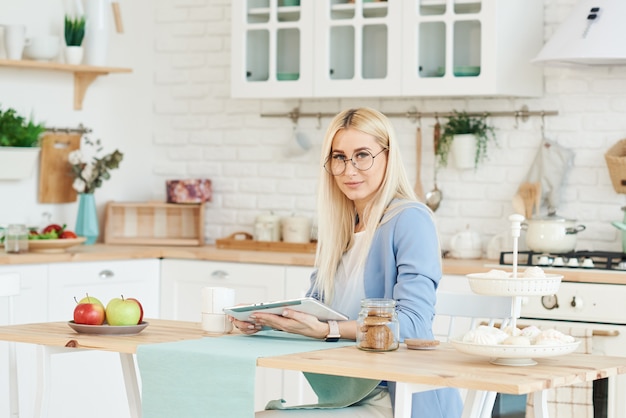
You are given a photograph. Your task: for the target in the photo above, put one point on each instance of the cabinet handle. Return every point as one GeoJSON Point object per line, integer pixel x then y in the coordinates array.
{"type": "Point", "coordinates": [219, 274]}
{"type": "Point", "coordinates": [106, 274]}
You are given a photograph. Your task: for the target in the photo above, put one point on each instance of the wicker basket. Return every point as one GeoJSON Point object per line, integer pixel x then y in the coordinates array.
{"type": "Point", "coordinates": [616, 162]}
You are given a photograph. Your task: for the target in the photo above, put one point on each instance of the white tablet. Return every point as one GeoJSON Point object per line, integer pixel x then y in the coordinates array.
{"type": "Point", "coordinates": [308, 305]}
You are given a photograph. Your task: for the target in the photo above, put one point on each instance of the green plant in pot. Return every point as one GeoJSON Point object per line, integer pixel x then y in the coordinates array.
{"type": "Point", "coordinates": [19, 145]}
{"type": "Point", "coordinates": [462, 129]}
{"type": "Point", "coordinates": [74, 35]}
{"type": "Point", "coordinates": [17, 131]}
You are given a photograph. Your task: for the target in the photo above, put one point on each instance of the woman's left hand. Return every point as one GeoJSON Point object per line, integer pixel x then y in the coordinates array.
{"type": "Point", "coordinates": [293, 322]}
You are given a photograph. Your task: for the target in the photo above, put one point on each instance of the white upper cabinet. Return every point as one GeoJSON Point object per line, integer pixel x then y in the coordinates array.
{"type": "Point", "coordinates": [272, 48]}
{"type": "Point", "coordinates": [472, 47]}
{"type": "Point", "coordinates": [361, 48]}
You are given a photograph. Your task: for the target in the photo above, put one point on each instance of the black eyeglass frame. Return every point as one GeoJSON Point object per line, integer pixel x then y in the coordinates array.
{"type": "Point", "coordinates": [351, 159]}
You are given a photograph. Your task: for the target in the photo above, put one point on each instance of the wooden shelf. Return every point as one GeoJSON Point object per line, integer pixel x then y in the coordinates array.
{"type": "Point", "coordinates": [84, 75]}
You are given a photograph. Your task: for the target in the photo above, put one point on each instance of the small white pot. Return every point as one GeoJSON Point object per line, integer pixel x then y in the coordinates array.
{"type": "Point", "coordinates": [463, 150]}
{"type": "Point", "coordinates": [74, 55]}
{"type": "Point", "coordinates": [555, 235]}
{"type": "Point", "coordinates": [17, 163]}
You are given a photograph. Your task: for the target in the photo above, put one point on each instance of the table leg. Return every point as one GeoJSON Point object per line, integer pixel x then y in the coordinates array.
{"type": "Point", "coordinates": [132, 386]}
{"type": "Point", "coordinates": [478, 403]}
{"type": "Point", "coordinates": [14, 398]}
{"type": "Point", "coordinates": [42, 395]}
{"type": "Point", "coordinates": [540, 404]}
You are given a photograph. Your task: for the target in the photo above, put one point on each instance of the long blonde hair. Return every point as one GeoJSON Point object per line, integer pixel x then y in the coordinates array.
{"type": "Point", "coordinates": [336, 213]}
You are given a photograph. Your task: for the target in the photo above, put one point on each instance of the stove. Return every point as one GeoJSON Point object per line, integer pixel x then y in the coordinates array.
{"type": "Point", "coordinates": [602, 260]}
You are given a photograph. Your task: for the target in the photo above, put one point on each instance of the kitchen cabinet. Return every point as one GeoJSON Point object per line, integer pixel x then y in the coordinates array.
{"type": "Point", "coordinates": [29, 306]}
{"type": "Point", "coordinates": [359, 48]}
{"type": "Point", "coordinates": [84, 75]}
{"type": "Point", "coordinates": [79, 378]}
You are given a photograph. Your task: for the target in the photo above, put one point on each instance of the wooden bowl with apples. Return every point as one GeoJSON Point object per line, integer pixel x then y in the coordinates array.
{"type": "Point", "coordinates": [121, 316]}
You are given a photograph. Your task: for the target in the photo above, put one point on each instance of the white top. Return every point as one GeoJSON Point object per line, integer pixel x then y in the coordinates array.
{"type": "Point", "coordinates": [349, 282]}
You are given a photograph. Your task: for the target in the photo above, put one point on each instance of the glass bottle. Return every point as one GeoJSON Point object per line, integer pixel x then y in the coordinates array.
{"type": "Point", "coordinates": [378, 328]}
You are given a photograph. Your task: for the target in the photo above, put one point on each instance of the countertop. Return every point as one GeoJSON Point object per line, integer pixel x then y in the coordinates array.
{"type": "Point", "coordinates": [103, 252]}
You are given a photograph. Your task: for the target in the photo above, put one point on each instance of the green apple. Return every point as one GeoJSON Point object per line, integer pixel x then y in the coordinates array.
{"type": "Point", "coordinates": [91, 299]}
{"type": "Point", "coordinates": [120, 311]}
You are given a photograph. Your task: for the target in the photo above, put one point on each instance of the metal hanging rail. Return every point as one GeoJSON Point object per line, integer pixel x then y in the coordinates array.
{"type": "Point", "coordinates": [522, 114]}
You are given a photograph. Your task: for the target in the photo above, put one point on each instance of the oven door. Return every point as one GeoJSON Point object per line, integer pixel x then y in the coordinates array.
{"type": "Point", "coordinates": [608, 340]}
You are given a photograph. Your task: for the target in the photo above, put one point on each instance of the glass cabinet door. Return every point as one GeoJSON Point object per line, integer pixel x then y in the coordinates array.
{"type": "Point", "coordinates": [272, 47]}
{"type": "Point", "coordinates": [358, 43]}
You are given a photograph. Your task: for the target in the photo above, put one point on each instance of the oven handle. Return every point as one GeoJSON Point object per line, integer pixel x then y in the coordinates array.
{"type": "Point", "coordinates": [605, 333]}
{"type": "Point", "coordinates": [595, 332]}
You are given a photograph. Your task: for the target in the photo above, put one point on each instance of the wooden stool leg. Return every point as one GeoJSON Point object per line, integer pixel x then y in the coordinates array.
{"type": "Point", "coordinates": [132, 386]}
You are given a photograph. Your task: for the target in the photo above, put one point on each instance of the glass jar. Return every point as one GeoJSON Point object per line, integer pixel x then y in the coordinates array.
{"type": "Point", "coordinates": [16, 239]}
{"type": "Point", "coordinates": [378, 328]}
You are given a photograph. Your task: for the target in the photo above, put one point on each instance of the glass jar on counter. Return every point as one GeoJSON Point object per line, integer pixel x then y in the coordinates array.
{"type": "Point", "coordinates": [16, 239]}
{"type": "Point", "coordinates": [378, 328]}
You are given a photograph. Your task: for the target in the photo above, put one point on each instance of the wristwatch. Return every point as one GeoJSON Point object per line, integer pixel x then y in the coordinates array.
{"type": "Point", "coordinates": [333, 334]}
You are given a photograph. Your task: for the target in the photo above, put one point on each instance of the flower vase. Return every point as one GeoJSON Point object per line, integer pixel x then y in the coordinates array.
{"type": "Point", "coordinates": [87, 218]}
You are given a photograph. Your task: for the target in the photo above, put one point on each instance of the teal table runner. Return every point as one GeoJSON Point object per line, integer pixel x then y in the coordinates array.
{"type": "Point", "coordinates": [215, 377]}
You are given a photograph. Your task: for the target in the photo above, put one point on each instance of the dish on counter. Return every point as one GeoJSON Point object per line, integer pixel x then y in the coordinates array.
{"type": "Point", "coordinates": [466, 70]}
{"type": "Point", "coordinates": [514, 355]}
{"type": "Point", "coordinates": [59, 245]}
{"type": "Point", "coordinates": [108, 329]}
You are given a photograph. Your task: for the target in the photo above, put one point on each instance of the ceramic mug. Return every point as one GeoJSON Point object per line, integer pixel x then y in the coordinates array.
{"type": "Point", "coordinates": [14, 41]}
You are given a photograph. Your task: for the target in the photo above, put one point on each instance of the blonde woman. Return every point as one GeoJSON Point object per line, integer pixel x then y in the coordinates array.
{"type": "Point", "coordinates": [375, 240]}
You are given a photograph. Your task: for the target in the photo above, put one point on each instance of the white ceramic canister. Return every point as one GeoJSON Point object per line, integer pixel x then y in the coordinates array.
{"type": "Point", "coordinates": [466, 244]}
{"type": "Point", "coordinates": [267, 227]}
{"type": "Point", "coordinates": [296, 229]}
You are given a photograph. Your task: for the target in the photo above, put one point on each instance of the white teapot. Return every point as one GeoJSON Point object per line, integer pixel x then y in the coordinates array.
{"type": "Point", "coordinates": [466, 244]}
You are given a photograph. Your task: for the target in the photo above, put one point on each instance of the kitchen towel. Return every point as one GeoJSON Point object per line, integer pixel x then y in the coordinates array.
{"type": "Point", "coordinates": [215, 377]}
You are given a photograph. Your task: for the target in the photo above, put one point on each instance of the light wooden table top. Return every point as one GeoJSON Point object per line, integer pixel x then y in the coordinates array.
{"type": "Point", "coordinates": [59, 334]}
{"type": "Point", "coordinates": [441, 367]}
{"type": "Point", "coordinates": [447, 367]}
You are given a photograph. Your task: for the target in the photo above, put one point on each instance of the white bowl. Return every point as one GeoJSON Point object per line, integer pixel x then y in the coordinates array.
{"type": "Point", "coordinates": [42, 47]}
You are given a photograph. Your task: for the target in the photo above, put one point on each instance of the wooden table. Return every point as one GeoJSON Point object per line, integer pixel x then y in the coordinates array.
{"type": "Point", "coordinates": [416, 370]}
{"type": "Point", "coordinates": [55, 337]}
{"type": "Point", "coordinates": [442, 367]}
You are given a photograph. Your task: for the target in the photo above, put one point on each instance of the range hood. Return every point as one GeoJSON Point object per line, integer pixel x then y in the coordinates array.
{"type": "Point", "coordinates": [594, 34]}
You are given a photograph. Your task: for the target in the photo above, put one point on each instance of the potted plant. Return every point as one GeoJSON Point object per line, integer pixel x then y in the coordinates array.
{"type": "Point", "coordinates": [19, 145]}
{"type": "Point", "coordinates": [74, 35]}
{"type": "Point", "coordinates": [466, 138]}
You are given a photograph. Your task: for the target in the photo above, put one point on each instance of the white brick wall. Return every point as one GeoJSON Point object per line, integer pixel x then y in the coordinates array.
{"type": "Point", "coordinates": [242, 153]}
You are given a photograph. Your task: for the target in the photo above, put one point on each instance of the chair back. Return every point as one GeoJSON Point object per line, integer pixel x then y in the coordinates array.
{"type": "Point", "coordinates": [9, 287]}
{"type": "Point", "coordinates": [457, 313]}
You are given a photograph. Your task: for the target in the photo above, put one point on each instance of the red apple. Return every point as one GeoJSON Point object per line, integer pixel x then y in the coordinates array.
{"type": "Point", "coordinates": [140, 309]}
{"type": "Point", "coordinates": [120, 311]}
{"type": "Point", "coordinates": [89, 314]}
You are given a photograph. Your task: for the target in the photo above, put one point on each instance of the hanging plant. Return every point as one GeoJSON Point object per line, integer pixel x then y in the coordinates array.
{"type": "Point", "coordinates": [462, 123]}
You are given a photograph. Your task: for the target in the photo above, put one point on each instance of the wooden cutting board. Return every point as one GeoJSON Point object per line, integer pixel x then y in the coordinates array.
{"type": "Point", "coordinates": [55, 174]}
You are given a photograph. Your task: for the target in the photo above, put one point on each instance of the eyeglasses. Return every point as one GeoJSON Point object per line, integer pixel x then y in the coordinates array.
{"type": "Point", "coordinates": [362, 160]}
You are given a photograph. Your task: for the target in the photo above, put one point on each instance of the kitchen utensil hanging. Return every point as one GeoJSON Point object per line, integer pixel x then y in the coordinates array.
{"type": "Point", "coordinates": [434, 197]}
{"type": "Point", "coordinates": [419, 189]}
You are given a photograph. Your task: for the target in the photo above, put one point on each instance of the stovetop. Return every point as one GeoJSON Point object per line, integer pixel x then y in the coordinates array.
{"type": "Point", "coordinates": [602, 260]}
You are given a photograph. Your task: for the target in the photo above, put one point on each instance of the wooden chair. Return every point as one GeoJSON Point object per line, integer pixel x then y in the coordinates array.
{"type": "Point", "coordinates": [10, 287]}
{"type": "Point", "coordinates": [457, 313]}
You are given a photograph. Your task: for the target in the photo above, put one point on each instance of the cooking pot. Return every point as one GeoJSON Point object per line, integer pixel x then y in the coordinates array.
{"type": "Point", "coordinates": [551, 234]}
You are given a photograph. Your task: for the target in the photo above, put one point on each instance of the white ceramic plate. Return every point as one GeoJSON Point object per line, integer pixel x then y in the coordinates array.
{"type": "Point", "coordinates": [514, 355]}
{"type": "Point", "coordinates": [108, 329]}
{"type": "Point", "coordinates": [483, 284]}
{"type": "Point", "coordinates": [59, 245]}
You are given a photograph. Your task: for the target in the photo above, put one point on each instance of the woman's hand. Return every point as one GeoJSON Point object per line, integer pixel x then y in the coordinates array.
{"type": "Point", "coordinates": [245, 327]}
{"type": "Point", "coordinates": [293, 322]}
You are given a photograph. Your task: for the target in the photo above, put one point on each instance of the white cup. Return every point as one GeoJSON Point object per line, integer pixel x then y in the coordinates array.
{"type": "Point", "coordinates": [14, 41]}
{"type": "Point", "coordinates": [216, 323]}
{"type": "Point", "coordinates": [215, 299]}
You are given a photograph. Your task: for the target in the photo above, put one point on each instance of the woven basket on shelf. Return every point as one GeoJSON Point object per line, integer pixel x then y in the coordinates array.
{"type": "Point", "coordinates": [616, 162]}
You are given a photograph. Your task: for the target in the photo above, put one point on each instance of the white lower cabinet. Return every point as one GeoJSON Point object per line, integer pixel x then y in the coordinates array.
{"type": "Point", "coordinates": [92, 381]}
{"type": "Point", "coordinates": [29, 306]}
{"type": "Point", "coordinates": [182, 281]}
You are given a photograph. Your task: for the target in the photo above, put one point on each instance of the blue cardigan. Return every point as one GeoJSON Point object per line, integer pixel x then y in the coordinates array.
{"type": "Point", "coordinates": [404, 263]}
